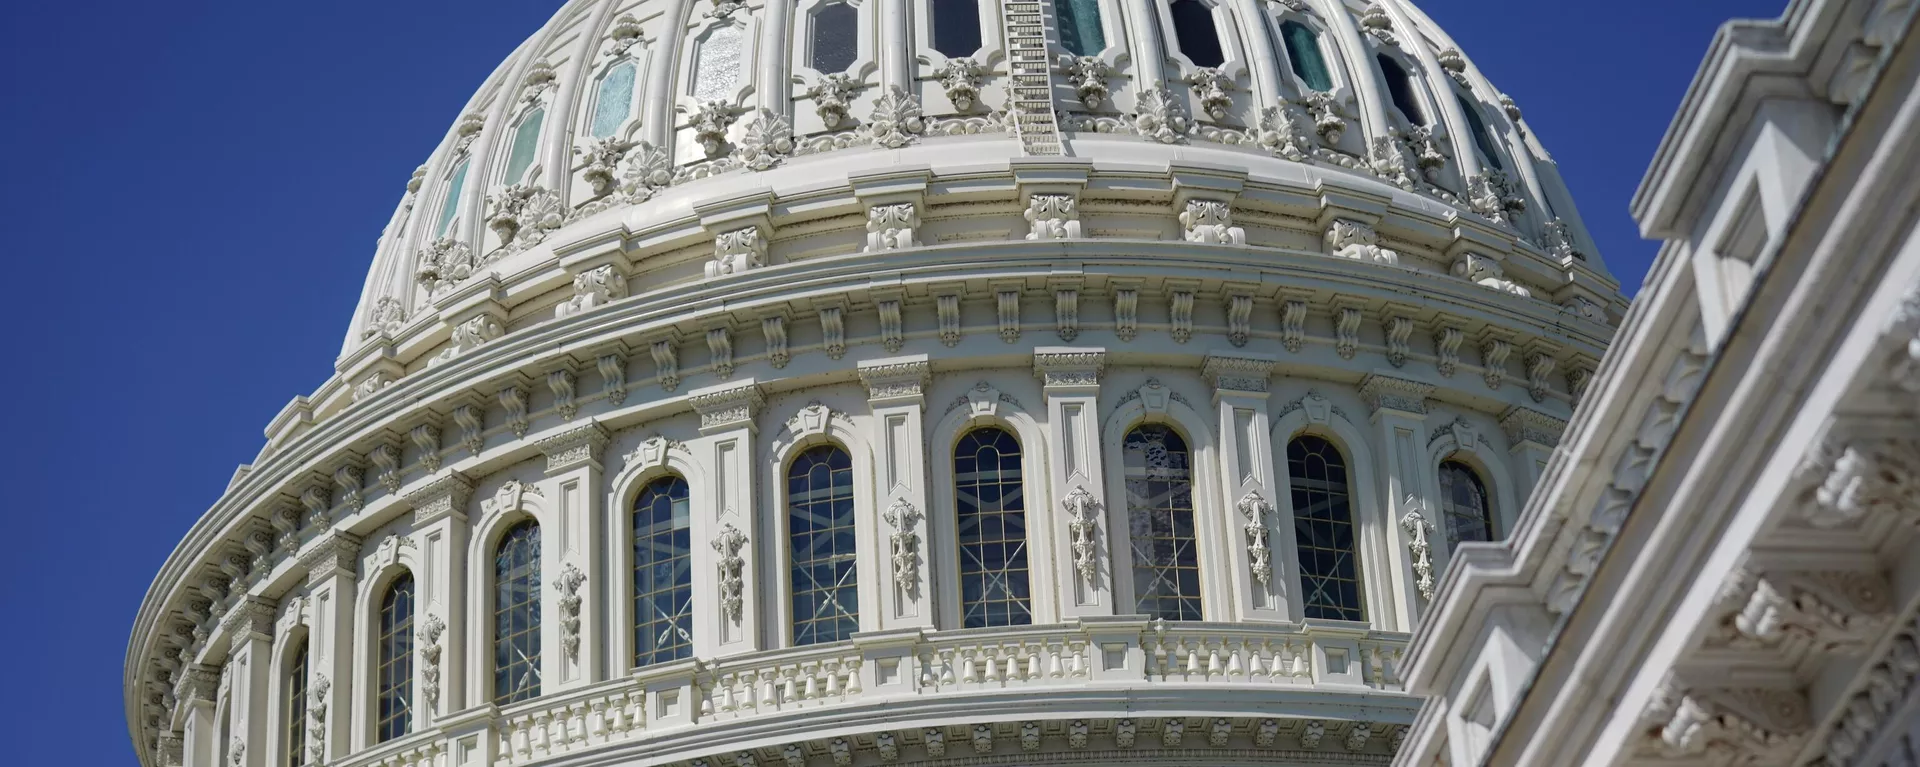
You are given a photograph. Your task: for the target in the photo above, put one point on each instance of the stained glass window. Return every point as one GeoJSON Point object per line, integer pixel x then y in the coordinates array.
{"type": "Point", "coordinates": [992, 523]}
{"type": "Point", "coordinates": [956, 27]}
{"type": "Point", "coordinates": [1303, 52]}
{"type": "Point", "coordinates": [1323, 529]}
{"type": "Point", "coordinates": [1080, 29]}
{"type": "Point", "coordinates": [662, 573]}
{"type": "Point", "coordinates": [526, 141]}
{"type": "Point", "coordinates": [835, 38]}
{"type": "Point", "coordinates": [516, 615]}
{"type": "Point", "coordinates": [1193, 28]}
{"type": "Point", "coordinates": [716, 68]}
{"type": "Point", "coordinates": [393, 676]}
{"type": "Point", "coordinates": [1481, 138]}
{"type": "Point", "coordinates": [1400, 89]}
{"type": "Point", "coordinates": [825, 587]}
{"type": "Point", "coordinates": [1166, 562]}
{"type": "Point", "coordinates": [295, 724]}
{"type": "Point", "coordinates": [615, 99]}
{"type": "Point", "coordinates": [1463, 505]}
{"type": "Point", "coordinates": [451, 205]}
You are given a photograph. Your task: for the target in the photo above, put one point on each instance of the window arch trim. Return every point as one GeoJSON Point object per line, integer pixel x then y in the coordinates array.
{"type": "Point", "coordinates": [1116, 557]}
{"type": "Point", "coordinates": [1503, 492]}
{"type": "Point", "coordinates": [1383, 592]}
{"type": "Point", "coordinates": [1418, 96]}
{"type": "Point", "coordinates": [864, 605]}
{"type": "Point", "coordinates": [651, 460]}
{"type": "Point", "coordinates": [942, 523]}
{"type": "Point", "coordinates": [1229, 45]}
{"type": "Point", "coordinates": [678, 624]}
{"type": "Point", "coordinates": [504, 509]}
{"type": "Point", "coordinates": [595, 92]}
{"type": "Point", "coordinates": [394, 673]}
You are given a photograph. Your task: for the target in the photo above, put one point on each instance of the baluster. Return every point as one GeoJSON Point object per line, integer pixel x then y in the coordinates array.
{"type": "Point", "coordinates": [946, 667]}
{"type": "Point", "coordinates": [727, 700]}
{"type": "Point", "coordinates": [581, 712]}
{"type": "Point", "coordinates": [853, 676]}
{"type": "Point", "coordinates": [926, 670]}
{"type": "Point", "coordinates": [812, 670]}
{"type": "Point", "coordinates": [1234, 667]}
{"type": "Point", "coordinates": [1054, 668]}
{"type": "Point", "coordinates": [1192, 654]}
{"type": "Point", "coordinates": [542, 735]}
{"type": "Point", "coordinates": [1302, 668]}
{"type": "Point", "coordinates": [597, 721]}
{"type": "Point", "coordinates": [1213, 657]}
{"type": "Point", "coordinates": [791, 691]}
{"type": "Point", "coordinates": [523, 734]}
{"type": "Point", "coordinates": [969, 673]}
{"type": "Point", "coordinates": [833, 679]}
{"type": "Point", "coordinates": [1033, 660]}
{"type": "Point", "coordinates": [1012, 673]}
{"type": "Point", "coordinates": [1079, 659]}
{"type": "Point", "coordinates": [1159, 663]}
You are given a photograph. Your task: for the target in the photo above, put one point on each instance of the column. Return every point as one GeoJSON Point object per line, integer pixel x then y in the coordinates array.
{"type": "Point", "coordinates": [896, 45]}
{"type": "Point", "coordinates": [249, 624]}
{"type": "Point", "coordinates": [1142, 28]}
{"type": "Point", "coordinates": [1360, 68]}
{"type": "Point", "coordinates": [1390, 539]}
{"type": "Point", "coordinates": [1254, 577]}
{"type": "Point", "coordinates": [197, 691]}
{"type": "Point", "coordinates": [440, 531]}
{"type": "Point", "coordinates": [1531, 438]}
{"type": "Point", "coordinates": [332, 564]}
{"type": "Point", "coordinates": [724, 525]}
{"type": "Point", "coordinates": [1083, 556]}
{"type": "Point", "coordinates": [574, 571]}
{"type": "Point", "coordinates": [896, 391]}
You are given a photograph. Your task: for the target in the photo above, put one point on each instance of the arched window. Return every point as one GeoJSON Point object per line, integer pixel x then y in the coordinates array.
{"type": "Point", "coordinates": [393, 672]}
{"type": "Point", "coordinates": [1166, 562]}
{"type": "Point", "coordinates": [834, 41]}
{"type": "Point", "coordinates": [526, 140]}
{"type": "Point", "coordinates": [1481, 138]}
{"type": "Point", "coordinates": [1464, 505]}
{"type": "Point", "coordinates": [1323, 527]}
{"type": "Point", "coordinates": [614, 101]}
{"type": "Point", "coordinates": [1303, 52]}
{"type": "Point", "coordinates": [1080, 29]}
{"type": "Point", "coordinates": [717, 62]}
{"type": "Point", "coordinates": [826, 600]}
{"type": "Point", "coordinates": [956, 27]}
{"type": "Point", "coordinates": [992, 523]}
{"type": "Point", "coordinates": [1400, 89]}
{"type": "Point", "coordinates": [516, 615]}
{"type": "Point", "coordinates": [662, 573]}
{"type": "Point", "coordinates": [1193, 29]}
{"type": "Point", "coordinates": [295, 709]}
{"type": "Point", "coordinates": [451, 205]}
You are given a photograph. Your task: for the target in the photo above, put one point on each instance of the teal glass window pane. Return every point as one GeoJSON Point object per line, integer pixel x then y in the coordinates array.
{"type": "Point", "coordinates": [1080, 30]}
{"type": "Point", "coordinates": [1400, 88]}
{"type": "Point", "coordinates": [615, 100]}
{"type": "Point", "coordinates": [452, 203]}
{"type": "Point", "coordinates": [1481, 137]}
{"type": "Point", "coordinates": [526, 139]}
{"type": "Point", "coordinates": [1303, 52]}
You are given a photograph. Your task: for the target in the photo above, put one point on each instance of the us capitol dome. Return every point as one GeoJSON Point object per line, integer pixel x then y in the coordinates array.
{"type": "Point", "coordinates": [864, 382]}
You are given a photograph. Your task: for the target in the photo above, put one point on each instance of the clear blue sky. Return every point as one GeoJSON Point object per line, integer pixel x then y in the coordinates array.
{"type": "Point", "coordinates": [192, 198]}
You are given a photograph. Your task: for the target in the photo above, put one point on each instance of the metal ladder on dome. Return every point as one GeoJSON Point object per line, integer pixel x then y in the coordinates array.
{"type": "Point", "coordinates": [1030, 78]}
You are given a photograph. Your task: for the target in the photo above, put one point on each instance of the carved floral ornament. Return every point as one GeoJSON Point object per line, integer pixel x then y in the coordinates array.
{"type": "Point", "coordinates": [1083, 524]}
{"type": "Point", "coordinates": [904, 543]}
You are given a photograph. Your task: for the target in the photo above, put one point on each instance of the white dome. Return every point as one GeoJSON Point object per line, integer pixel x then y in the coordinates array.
{"type": "Point", "coordinates": [1208, 313]}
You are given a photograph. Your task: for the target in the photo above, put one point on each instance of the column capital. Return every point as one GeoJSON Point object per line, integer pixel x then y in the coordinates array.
{"type": "Point", "coordinates": [1385, 392]}
{"type": "Point", "coordinates": [334, 552]}
{"type": "Point", "coordinates": [574, 447]}
{"type": "Point", "coordinates": [895, 380]}
{"type": "Point", "coordinates": [248, 619]}
{"type": "Point", "coordinates": [728, 406]}
{"type": "Point", "coordinates": [1238, 373]}
{"type": "Point", "coordinates": [198, 681]}
{"type": "Point", "coordinates": [1065, 368]}
{"type": "Point", "coordinates": [443, 497]}
{"type": "Point", "coordinates": [1525, 425]}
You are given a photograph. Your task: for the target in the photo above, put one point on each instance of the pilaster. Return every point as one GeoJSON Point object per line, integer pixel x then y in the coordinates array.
{"type": "Point", "coordinates": [1399, 410]}
{"type": "Point", "coordinates": [1531, 438]}
{"type": "Point", "coordinates": [249, 624]}
{"type": "Point", "coordinates": [573, 481]}
{"type": "Point", "coordinates": [896, 391]}
{"type": "Point", "coordinates": [723, 528]}
{"type": "Point", "coordinates": [1250, 521]}
{"type": "Point", "coordinates": [1083, 558]}
{"type": "Point", "coordinates": [440, 530]}
{"type": "Point", "coordinates": [332, 564]}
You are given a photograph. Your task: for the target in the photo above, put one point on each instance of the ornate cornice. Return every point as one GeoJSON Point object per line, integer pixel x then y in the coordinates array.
{"type": "Point", "coordinates": [1069, 367]}
{"type": "Point", "coordinates": [1385, 392]}
{"type": "Point", "coordinates": [199, 681]}
{"type": "Point", "coordinates": [334, 552]}
{"type": "Point", "coordinates": [732, 406]}
{"type": "Point", "coordinates": [575, 447]}
{"type": "Point", "coordinates": [1525, 425]}
{"type": "Point", "coordinates": [1246, 374]}
{"type": "Point", "coordinates": [443, 497]}
{"type": "Point", "coordinates": [895, 379]}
